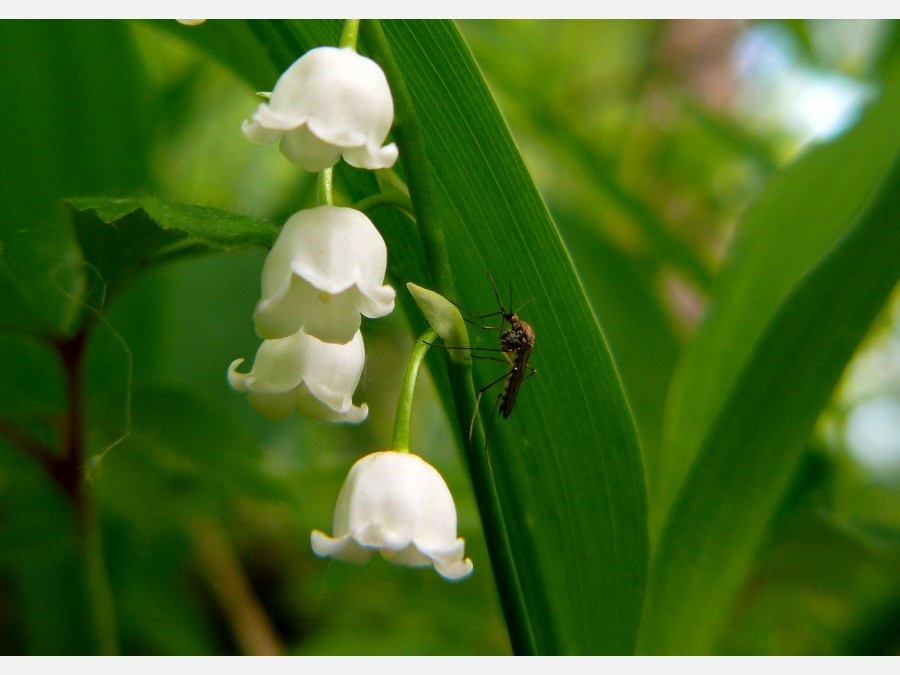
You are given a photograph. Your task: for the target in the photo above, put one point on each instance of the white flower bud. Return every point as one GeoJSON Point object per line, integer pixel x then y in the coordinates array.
{"type": "Point", "coordinates": [302, 373]}
{"type": "Point", "coordinates": [326, 268]}
{"type": "Point", "coordinates": [398, 504]}
{"type": "Point", "coordinates": [330, 102]}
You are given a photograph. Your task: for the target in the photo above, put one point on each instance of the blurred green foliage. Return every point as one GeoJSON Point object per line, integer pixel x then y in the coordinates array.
{"type": "Point", "coordinates": [640, 139]}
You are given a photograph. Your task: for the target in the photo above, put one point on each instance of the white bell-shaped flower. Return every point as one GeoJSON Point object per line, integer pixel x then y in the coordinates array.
{"type": "Point", "coordinates": [302, 373]}
{"type": "Point", "coordinates": [330, 102]}
{"type": "Point", "coordinates": [398, 504]}
{"type": "Point", "coordinates": [326, 268]}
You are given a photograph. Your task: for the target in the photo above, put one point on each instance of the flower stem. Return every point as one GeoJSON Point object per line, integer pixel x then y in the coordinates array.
{"type": "Point", "coordinates": [324, 187]}
{"type": "Point", "coordinates": [349, 34]}
{"type": "Point", "coordinates": [381, 199]}
{"type": "Point", "coordinates": [400, 441]}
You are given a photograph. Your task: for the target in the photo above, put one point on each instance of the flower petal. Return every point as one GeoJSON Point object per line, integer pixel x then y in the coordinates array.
{"type": "Point", "coordinates": [300, 372]}
{"type": "Point", "coordinates": [349, 99]}
{"type": "Point", "coordinates": [238, 381]}
{"type": "Point", "coordinates": [331, 318]}
{"type": "Point", "coordinates": [310, 406]}
{"type": "Point", "coordinates": [332, 371]}
{"type": "Point", "coordinates": [372, 158]}
{"type": "Point", "coordinates": [335, 247]}
{"type": "Point", "coordinates": [409, 556]}
{"type": "Point", "coordinates": [258, 134]}
{"type": "Point", "coordinates": [278, 407]}
{"type": "Point", "coordinates": [342, 548]}
{"type": "Point", "coordinates": [453, 568]}
{"type": "Point", "coordinates": [307, 151]}
{"type": "Point", "coordinates": [279, 366]}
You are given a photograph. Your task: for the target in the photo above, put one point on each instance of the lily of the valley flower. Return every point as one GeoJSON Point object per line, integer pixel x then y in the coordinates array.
{"type": "Point", "coordinates": [330, 102]}
{"type": "Point", "coordinates": [398, 504]}
{"type": "Point", "coordinates": [326, 268]}
{"type": "Point", "coordinates": [302, 373]}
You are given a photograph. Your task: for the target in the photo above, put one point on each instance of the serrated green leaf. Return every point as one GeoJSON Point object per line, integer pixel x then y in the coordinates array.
{"type": "Point", "coordinates": [121, 236]}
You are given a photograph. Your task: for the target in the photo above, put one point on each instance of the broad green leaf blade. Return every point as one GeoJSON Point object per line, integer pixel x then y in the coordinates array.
{"type": "Point", "coordinates": [567, 463]}
{"type": "Point", "coordinates": [62, 76]}
{"type": "Point", "coordinates": [640, 333]}
{"type": "Point", "coordinates": [802, 213]}
{"type": "Point", "coordinates": [756, 441]}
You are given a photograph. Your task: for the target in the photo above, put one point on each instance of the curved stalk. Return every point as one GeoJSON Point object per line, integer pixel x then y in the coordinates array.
{"type": "Point", "coordinates": [402, 420]}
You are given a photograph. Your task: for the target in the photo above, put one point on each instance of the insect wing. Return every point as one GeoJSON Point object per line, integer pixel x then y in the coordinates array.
{"type": "Point", "coordinates": [517, 371]}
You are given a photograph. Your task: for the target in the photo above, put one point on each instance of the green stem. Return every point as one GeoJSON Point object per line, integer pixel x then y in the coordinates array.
{"type": "Point", "coordinates": [400, 441]}
{"type": "Point", "coordinates": [349, 34]}
{"type": "Point", "coordinates": [325, 187]}
{"type": "Point", "coordinates": [410, 138]}
{"type": "Point", "coordinates": [382, 199]}
{"type": "Point", "coordinates": [97, 581]}
{"type": "Point", "coordinates": [70, 474]}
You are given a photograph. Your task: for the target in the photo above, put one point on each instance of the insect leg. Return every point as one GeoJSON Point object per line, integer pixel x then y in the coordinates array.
{"type": "Point", "coordinates": [474, 315]}
{"type": "Point", "coordinates": [478, 401]}
{"type": "Point", "coordinates": [491, 358]}
{"type": "Point", "coordinates": [487, 435]}
{"type": "Point", "coordinates": [480, 349]}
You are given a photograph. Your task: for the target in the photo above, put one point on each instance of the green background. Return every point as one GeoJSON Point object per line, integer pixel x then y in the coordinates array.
{"type": "Point", "coordinates": [709, 282]}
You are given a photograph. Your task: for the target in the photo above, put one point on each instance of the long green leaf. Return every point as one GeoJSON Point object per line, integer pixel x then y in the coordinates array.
{"type": "Point", "coordinates": [567, 464]}
{"type": "Point", "coordinates": [752, 447]}
{"type": "Point", "coordinates": [801, 215]}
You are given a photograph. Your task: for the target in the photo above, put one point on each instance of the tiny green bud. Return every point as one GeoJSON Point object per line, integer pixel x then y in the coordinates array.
{"type": "Point", "coordinates": [446, 320]}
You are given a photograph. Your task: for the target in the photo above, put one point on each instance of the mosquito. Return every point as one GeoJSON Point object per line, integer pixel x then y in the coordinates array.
{"type": "Point", "coordinates": [516, 344]}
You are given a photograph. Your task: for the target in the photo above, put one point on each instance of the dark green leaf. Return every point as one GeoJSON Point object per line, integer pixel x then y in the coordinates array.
{"type": "Point", "coordinates": [119, 237]}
